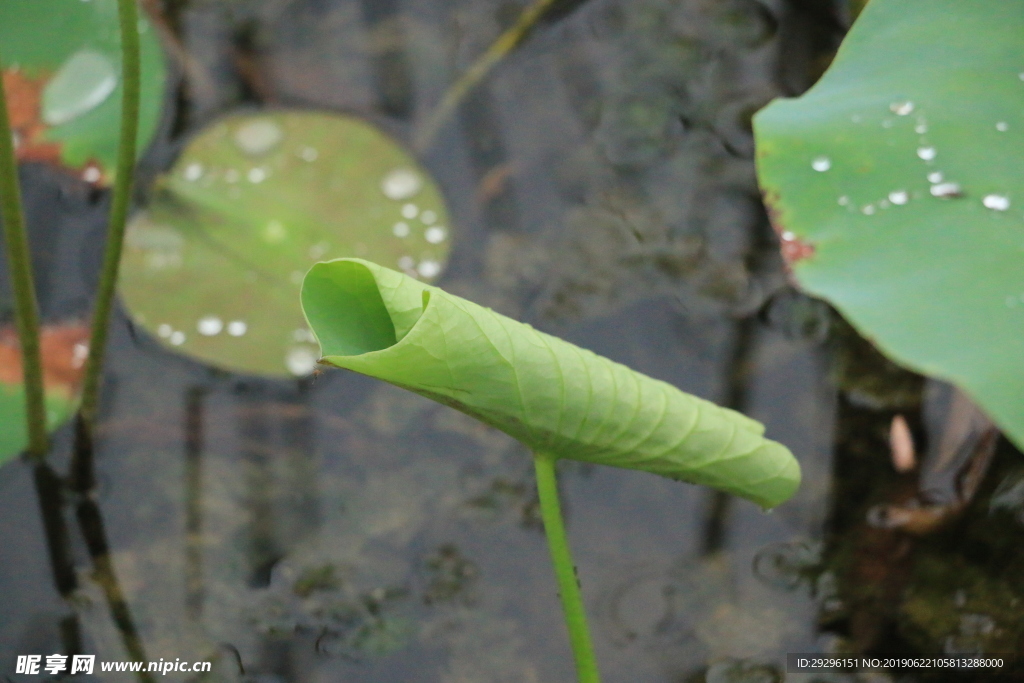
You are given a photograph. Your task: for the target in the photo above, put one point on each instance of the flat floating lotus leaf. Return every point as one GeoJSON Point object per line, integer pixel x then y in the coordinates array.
{"type": "Point", "coordinates": [555, 397]}
{"type": "Point", "coordinates": [64, 348]}
{"type": "Point", "coordinates": [895, 184]}
{"type": "Point", "coordinates": [213, 267]}
{"type": "Point", "coordinates": [62, 72]}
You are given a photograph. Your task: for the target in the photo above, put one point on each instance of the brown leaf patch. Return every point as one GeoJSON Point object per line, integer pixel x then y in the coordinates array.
{"type": "Point", "coordinates": [24, 107]}
{"type": "Point", "coordinates": [24, 97]}
{"type": "Point", "coordinates": [63, 348]}
{"type": "Point", "coordinates": [792, 247]}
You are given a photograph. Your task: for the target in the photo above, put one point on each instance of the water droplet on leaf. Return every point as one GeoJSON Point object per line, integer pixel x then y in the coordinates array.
{"type": "Point", "coordinates": [300, 360]}
{"type": "Point", "coordinates": [209, 325]}
{"type": "Point", "coordinates": [401, 229]}
{"type": "Point", "coordinates": [898, 197]}
{"type": "Point", "coordinates": [236, 328]}
{"type": "Point", "coordinates": [821, 164]}
{"type": "Point", "coordinates": [935, 177]}
{"type": "Point", "coordinates": [946, 190]}
{"type": "Point", "coordinates": [81, 84]}
{"type": "Point", "coordinates": [996, 202]}
{"type": "Point", "coordinates": [901, 108]}
{"type": "Point", "coordinates": [410, 211]}
{"type": "Point", "coordinates": [429, 268]}
{"type": "Point", "coordinates": [1002, 126]}
{"type": "Point", "coordinates": [926, 153]}
{"type": "Point", "coordinates": [258, 137]}
{"type": "Point", "coordinates": [401, 183]}
{"type": "Point", "coordinates": [192, 172]}
{"type": "Point", "coordinates": [435, 235]}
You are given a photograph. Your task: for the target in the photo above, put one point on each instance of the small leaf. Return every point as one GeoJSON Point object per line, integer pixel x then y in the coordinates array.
{"type": "Point", "coordinates": [213, 267]}
{"type": "Point", "coordinates": [553, 396]}
{"type": "Point", "coordinates": [895, 186]}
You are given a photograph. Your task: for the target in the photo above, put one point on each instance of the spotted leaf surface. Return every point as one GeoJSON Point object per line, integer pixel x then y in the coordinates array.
{"type": "Point", "coordinates": [62, 76]}
{"type": "Point", "coordinates": [551, 395]}
{"type": "Point", "coordinates": [212, 267]}
{"type": "Point", "coordinates": [895, 186]}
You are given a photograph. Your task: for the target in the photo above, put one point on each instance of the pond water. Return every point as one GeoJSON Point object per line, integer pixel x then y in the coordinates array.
{"type": "Point", "coordinates": [600, 185]}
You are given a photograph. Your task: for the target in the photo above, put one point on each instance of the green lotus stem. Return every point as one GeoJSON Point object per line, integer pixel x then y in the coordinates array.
{"type": "Point", "coordinates": [549, 394]}
{"type": "Point", "coordinates": [131, 84]}
{"type": "Point", "coordinates": [565, 570]}
{"type": "Point", "coordinates": [505, 43]}
{"type": "Point", "coordinates": [26, 311]}
{"type": "Point", "coordinates": [82, 465]}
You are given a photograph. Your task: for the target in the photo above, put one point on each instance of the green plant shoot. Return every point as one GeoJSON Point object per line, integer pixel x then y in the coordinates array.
{"type": "Point", "coordinates": [560, 400]}
{"type": "Point", "coordinates": [553, 396]}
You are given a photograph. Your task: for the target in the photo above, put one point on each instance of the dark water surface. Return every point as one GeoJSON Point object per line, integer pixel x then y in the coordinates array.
{"type": "Point", "coordinates": [601, 186]}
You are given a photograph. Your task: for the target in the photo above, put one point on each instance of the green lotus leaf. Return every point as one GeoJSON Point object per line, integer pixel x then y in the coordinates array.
{"type": "Point", "coordinates": [553, 396]}
{"type": "Point", "coordinates": [213, 266]}
{"type": "Point", "coordinates": [895, 185]}
{"type": "Point", "coordinates": [62, 71]}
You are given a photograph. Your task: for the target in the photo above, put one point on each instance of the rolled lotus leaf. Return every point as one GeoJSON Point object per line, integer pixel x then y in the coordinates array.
{"type": "Point", "coordinates": [555, 397]}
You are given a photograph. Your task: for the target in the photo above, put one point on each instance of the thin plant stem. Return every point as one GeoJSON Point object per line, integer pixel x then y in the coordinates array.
{"type": "Point", "coordinates": [26, 312]}
{"type": "Point", "coordinates": [565, 569]}
{"type": "Point", "coordinates": [505, 43]}
{"type": "Point", "coordinates": [131, 83]}
{"type": "Point", "coordinates": [82, 462]}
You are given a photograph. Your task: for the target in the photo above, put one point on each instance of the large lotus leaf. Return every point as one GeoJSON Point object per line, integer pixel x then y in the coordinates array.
{"type": "Point", "coordinates": [213, 267]}
{"type": "Point", "coordinates": [555, 397]}
{"type": "Point", "coordinates": [63, 348]}
{"type": "Point", "coordinates": [62, 73]}
{"type": "Point", "coordinates": [895, 184]}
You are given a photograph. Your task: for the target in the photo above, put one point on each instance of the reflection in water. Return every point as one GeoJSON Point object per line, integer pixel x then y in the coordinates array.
{"type": "Point", "coordinates": [193, 485]}
{"type": "Point", "coordinates": [691, 613]}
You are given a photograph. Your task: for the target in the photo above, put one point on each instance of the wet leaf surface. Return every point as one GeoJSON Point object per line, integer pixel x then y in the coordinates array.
{"type": "Point", "coordinates": [895, 189]}
{"type": "Point", "coordinates": [212, 268]}
{"type": "Point", "coordinates": [62, 67]}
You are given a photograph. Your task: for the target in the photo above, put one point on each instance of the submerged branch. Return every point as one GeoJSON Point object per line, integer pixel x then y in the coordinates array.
{"type": "Point", "coordinates": [501, 47]}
